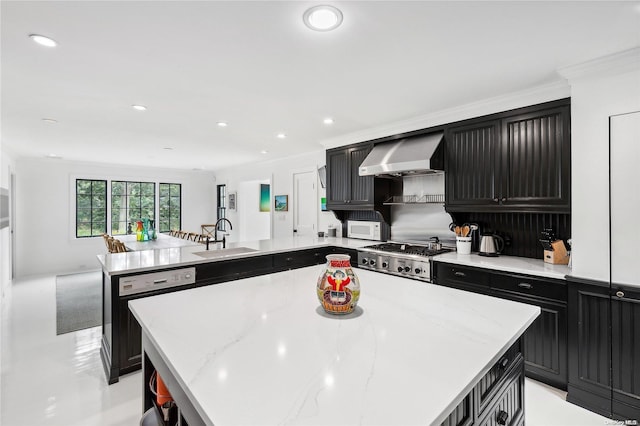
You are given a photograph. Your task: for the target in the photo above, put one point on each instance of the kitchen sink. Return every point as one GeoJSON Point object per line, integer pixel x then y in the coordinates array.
{"type": "Point", "coordinates": [224, 252]}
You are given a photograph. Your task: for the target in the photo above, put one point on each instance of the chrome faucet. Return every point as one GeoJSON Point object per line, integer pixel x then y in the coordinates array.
{"type": "Point", "coordinates": [215, 233]}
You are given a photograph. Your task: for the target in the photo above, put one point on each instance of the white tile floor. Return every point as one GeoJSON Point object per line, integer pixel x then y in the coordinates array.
{"type": "Point", "coordinates": [59, 380]}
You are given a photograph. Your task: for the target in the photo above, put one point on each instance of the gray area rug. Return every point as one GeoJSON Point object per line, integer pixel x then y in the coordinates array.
{"type": "Point", "coordinates": [78, 301]}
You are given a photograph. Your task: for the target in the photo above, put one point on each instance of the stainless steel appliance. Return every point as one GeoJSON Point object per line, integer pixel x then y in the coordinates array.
{"type": "Point", "coordinates": [411, 260]}
{"type": "Point", "coordinates": [154, 281]}
{"type": "Point", "coordinates": [363, 229]}
{"type": "Point", "coordinates": [491, 245]}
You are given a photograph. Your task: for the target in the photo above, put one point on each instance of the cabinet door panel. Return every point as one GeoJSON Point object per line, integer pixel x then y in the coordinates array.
{"type": "Point", "coordinates": [536, 158]}
{"type": "Point", "coordinates": [472, 164]}
{"type": "Point", "coordinates": [338, 177]}
{"type": "Point", "coordinates": [545, 341]}
{"type": "Point", "coordinates": [625, 341]}
{"type": "Point", "coordinates": [361, 186]}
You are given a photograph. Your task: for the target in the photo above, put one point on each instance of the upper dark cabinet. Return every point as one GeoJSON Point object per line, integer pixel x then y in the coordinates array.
{"type": "Point", "coordinates": [472, 165]}
{"type": "Point", "coordinates": [346, 189]}
{"type": "Point", "coordinates": [517, 161]}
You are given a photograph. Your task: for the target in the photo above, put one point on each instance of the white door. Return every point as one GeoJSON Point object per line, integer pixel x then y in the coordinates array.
{"type": "Point", "coordinates": [305, 204]}
{"type": "Point", "coordinates": [624, 141]}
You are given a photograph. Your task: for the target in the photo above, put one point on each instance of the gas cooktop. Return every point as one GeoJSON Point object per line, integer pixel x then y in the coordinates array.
{"type": "Point", "coordinates": [429, 249]}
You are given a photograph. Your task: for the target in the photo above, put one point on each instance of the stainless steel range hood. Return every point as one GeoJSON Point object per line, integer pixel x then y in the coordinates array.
{"type": "Point", "coordinates": [410, 156]}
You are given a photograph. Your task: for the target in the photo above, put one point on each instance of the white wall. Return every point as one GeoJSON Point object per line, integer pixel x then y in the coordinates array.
{"type": "Point", "coordinates": [45, 223]}
{"type": "Point", "coordinates": [252, 224]}
{"type": "Point", "coordinates": [280, 173]}
{"type": "Point", "coordinates": [593, 99]}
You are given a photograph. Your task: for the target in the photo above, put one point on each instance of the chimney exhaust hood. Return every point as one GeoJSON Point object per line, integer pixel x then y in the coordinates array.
{"type": "Point", "coordinates": [411, 156]}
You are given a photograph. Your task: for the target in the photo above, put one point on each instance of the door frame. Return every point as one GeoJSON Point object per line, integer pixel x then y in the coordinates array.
{"type": "Point", "coordinates": [294, 172]}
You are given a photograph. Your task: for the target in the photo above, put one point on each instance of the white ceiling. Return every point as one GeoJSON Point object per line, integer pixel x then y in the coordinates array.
{"type": "Point", "coordinates": [256, 66]}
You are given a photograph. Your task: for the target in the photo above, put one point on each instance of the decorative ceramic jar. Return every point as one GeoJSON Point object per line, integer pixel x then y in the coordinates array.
{"type": "Point", "coordinates": [338, 288]}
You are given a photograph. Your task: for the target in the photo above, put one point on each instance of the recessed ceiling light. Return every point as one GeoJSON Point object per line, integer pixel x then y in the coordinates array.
{"type": "Point", "coordinates": [281, 136]}
{"type": "Point", "coordinates": [322, 18]}
{"type": "Point", "coordinates": [222, 124]}
{"type": "Point", "coordinates": [56, 156]}
{"type": "Point", "coordinates": [328, 120]}
{"type": "Point", "coordinates": [42, 40]}
{"type": "Point", "coordinates": [50, 120]}
{"type": "Point", "coordinates": [264, 152]}
{"type": "Point", "coordinates": [139, 107]}
{"type": "Point", "coordinates": [168, 148]}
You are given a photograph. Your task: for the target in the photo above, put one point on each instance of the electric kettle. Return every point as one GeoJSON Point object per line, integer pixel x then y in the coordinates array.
{"type": "Point", "coordinates": [491, 245]}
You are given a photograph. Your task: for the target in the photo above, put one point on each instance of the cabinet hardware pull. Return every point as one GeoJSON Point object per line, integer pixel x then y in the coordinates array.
{"type": "Point", "coordinates": [503, 363]}
{"type": "Point", "coordinates": [460, 274]}
{"type": "Point", "coordinates": [504, 199]}
{"type": "Point", "coordinates": [620, 293]}
{"type": "Point", "coordinates": [525, 285]}
{"type": "Point", "coordinates": [289, 259]}
{"type": "Point", "coordinates": [495, 200]}
{"type": "Point", "coordinates": [501, 417]}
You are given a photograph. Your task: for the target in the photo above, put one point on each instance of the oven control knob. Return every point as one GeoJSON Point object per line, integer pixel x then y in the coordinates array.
{"type": "Point", "coordinates": [400, 269]}
{"type": "Point", "coordinates": [365, 261]}
{"type": "Point", "coordinates": [372, 262]}
{"type": "Point", "coordinates": [418, 270]}
{"type": "Point", "coordinates": [407, 269]}
{"type": "Point", "coordinates": [385, 264]}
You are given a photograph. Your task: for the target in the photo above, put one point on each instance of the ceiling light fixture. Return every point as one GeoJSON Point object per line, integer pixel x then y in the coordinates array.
{"type": "Point", "coordinates": [42, 40]}
{"type": "Point", "coordinates": [50, 120]}
{"type": "Point", "coordinates": [168, 148]}
{"type": "Point", "coordinates": [328, 120]}
{"type": "Point", "coordinates": [264, 152]}
{"type": "Point", "coordinates": [222, 124]}
{"type": "Point", "coordinates": [55, 156]}
{"type": "Point", "coordinates": [139, 107]}
{"type": "Point", "coordinates": [281, 136]}
{"type": "Point", "coordinates": [322, 18]}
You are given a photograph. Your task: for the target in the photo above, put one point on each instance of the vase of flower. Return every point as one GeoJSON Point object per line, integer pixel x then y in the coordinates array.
{"type": "Point", "coordinates": [338, 287]}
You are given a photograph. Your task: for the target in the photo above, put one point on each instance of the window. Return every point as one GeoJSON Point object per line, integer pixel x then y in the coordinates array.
{"type": "Point", "coordinates": [91, 207]}
{"type": "Point", "coordinates": [222, 205]}
{"type": "Point", "coordinates": [170, 206]}
{"type": "Point", "coordinates": [130, 202]}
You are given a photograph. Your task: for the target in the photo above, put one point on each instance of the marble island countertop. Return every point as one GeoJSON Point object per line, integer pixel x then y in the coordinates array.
{"type": "Point", "coordinates": [262, 351]}
{"type": "Point", "coordinates": [192, 254]}
{"type": "Point", "coordinates": [521, 265]}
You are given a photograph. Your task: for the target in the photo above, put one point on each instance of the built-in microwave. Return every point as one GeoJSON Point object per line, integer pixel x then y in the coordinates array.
{"type": "Point", "coordinates": [365, 230]}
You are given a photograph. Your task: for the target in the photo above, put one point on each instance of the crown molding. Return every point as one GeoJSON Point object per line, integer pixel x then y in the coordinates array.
{"type": "Point", "coordinates": [543, 93]}
{"type": "Point", "coordinates": [616, 63]}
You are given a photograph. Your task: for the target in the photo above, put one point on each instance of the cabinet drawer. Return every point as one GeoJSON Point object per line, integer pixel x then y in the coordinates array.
{"type": "Point", "coordinates": [448, 273]}
{"type": "Point", "coordinates": [299, 259]}
{"type": "Point", "coordinates": [507, 409]}
{"type": "Point", "coordinates": [525, 285]}
{"type": "Point", "coordinates": [492, 382]}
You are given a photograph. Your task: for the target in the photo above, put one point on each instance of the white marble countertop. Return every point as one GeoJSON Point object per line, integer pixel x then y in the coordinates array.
{"type": "Point", "coordinates": [148, 260]}
{"type": "Point", "coordinates": [262, 351]}
{"type": "Point", "coordinates": [163, 241]}
{"type": "Point", "coordinates": [521, 265]}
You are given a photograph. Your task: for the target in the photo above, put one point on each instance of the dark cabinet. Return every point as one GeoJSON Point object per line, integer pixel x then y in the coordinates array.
{"type": "Point", "coordinates": [229, 270]}
{"type": "Point", "coordinates": [516, 161]}
{"type": "Point", "coordinates": [498, 398]}
{"type": "Point", "coordinates": [346, 189]}
{"type": "Point", "coordinates": [604, 349]}
{"type": "Point", "coordinates": [472, 164]}
{"type": "Point", "coordinates": [300, 259]}
{"type": "Point", "coordinates": [545, 341]}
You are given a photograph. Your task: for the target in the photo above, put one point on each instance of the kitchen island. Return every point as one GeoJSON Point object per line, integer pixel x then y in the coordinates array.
{"type": "Point", "coordinates": [262, 351]}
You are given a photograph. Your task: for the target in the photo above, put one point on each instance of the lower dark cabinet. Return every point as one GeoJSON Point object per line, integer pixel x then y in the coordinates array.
{"type": "Point", "coordinates": [545, 341]}
{"type": "Point", "coordinates": [498, 399]}
{"type": "Point", "coordinates": [604, 349]}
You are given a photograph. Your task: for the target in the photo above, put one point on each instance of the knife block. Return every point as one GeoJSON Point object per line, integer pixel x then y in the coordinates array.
{"type": "Point", "coordinates": [557, 256]}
